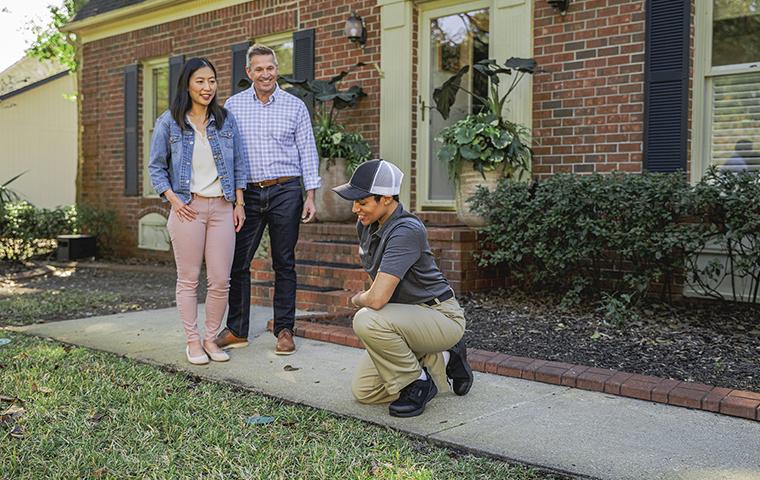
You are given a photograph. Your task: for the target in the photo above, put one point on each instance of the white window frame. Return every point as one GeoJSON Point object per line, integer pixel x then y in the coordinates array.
{"type": "Point", "coordinates": [275, 40]}
{"type": "Point", "coordinates": [147, 122]}
{"type": "Point", "coordinates": [704, 73]}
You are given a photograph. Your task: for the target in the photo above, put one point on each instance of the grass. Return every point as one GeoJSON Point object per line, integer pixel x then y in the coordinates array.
{"type": "Point", "coordinates": [52, 304]}
{"type": "Point", "coordinates": [95, 415]}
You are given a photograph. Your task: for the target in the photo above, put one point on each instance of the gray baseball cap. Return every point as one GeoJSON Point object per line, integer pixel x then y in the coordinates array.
{"type": "Point", "coordinates": [375, 177]}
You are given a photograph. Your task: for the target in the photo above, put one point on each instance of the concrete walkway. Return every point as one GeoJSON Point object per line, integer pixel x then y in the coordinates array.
{"type": "Point", "coordinates": [580, 432]}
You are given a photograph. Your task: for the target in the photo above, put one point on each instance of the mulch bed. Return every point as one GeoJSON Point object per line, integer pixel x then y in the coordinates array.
{"type": "Point", "coordinates": [708, 342]}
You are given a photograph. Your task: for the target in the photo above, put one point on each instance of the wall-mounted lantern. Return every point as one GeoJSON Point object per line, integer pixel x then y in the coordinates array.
{"type": "Point", "coordinates": [560, 5]}
{"type": "Point", "coordinates": [355, 30]}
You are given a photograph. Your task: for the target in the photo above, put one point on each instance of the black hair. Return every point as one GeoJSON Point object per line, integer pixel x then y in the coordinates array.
{"type": "Point", "coordinates": [182, 103]}
{"type": "Point", "coordinates": [378, 197]}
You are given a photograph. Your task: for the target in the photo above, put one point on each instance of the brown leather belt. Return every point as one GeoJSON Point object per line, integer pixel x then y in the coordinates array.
{"type": "Point", "coordinates": [270, 182]}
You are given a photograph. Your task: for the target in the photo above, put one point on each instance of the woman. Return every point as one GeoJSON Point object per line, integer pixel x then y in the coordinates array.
{"type": "Point", "coordinates": [196, 165]}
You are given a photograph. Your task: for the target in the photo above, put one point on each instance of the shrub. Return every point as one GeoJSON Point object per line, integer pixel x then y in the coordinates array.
{"type": "Point", "coordinates": [26, 231]}
{"type": "Point", "coordinates": [582, 235]}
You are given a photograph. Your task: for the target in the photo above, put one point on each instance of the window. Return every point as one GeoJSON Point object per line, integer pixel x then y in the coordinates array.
{"type": "Point", "coordinates": [728, 64]}
{"type": "Point", "coordinates": [155, 102]}
{"type": "Point", "coordinates": [282, 44]}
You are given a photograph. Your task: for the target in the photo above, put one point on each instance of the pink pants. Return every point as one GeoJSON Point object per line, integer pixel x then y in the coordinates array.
{"type": "Point", "coordinates": [210, 235]}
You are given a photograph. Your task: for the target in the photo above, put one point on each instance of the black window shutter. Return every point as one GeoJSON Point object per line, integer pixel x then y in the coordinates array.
{"type": "Point", "coordinates": [175, 70]}
{"type": "Point", "coordinates": [303, 61]}
{"type": "Point", "coordinates": [130, 130]}
{"type": "Point", "coordinates": [666, 87]}
{"type": "Point", "coordinates": [240, 80]}
{"type": "Point", "coordinates": [303, 54]}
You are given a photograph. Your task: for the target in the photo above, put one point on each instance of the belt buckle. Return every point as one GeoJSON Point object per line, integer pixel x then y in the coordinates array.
{"type": "Point", "coordinates": [260, 184]}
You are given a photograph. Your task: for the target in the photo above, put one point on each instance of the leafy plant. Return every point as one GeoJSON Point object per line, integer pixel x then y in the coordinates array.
{"type": "Point", "coordinates": [332, 139]}
{"type": "Point", "coordinates": [7, 194]}
{"type": "Point", "coordinates": [334, 142]}
{"type": "Point", "coordinates": [486, 139]}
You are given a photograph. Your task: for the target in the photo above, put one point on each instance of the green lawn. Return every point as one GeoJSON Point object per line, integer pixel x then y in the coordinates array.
{"type": "Point", "coordinates": [54, 304]}
{"type": "Point", "coordinates": [88, 414]}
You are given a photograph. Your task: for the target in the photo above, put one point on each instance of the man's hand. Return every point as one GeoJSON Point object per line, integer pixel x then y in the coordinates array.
{"type": "Point", "coordinates": [309, 209]}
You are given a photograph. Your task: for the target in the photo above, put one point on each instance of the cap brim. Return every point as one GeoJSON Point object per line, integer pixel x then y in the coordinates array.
{"type": "Point", "coordinates": [349, 192]}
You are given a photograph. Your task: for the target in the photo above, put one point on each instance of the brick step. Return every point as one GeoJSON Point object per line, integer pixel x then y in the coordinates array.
{"type": "Point", "coordinates": [308, 297]}
{"type": "Point", "coordinates": [331, 232]}
{"type": "Point", "coordinates": [340, 248]}
{"type": "Point", "coordinates": [335, 276]}
{"type": "Point", "coordinates": [320, 251]}
{"type": "Point", "coordinates": [439, 219]}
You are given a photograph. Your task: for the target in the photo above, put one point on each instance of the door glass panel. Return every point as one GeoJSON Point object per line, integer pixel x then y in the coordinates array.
{"type": "Point", "coordinates": [736, 32]}
{"type": "Point", "coordinates": [455, 40]}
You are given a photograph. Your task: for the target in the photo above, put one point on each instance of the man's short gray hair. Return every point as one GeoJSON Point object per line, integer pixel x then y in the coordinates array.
{"type": "Point", "coordinates": [259, 49]}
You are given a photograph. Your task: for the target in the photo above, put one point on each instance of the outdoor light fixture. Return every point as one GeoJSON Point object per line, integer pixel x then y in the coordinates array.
{"type": "Point", "coordinates": [355, 30]}
{"type": "Point", "coordinates": [560, 5]}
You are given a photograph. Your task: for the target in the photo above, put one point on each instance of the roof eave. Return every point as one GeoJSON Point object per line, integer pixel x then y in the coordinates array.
{"type": "Point", "coordinates": [98, 20]}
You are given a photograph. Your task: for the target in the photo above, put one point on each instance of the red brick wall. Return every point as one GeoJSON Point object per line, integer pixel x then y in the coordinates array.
{"type": "Point", "coordinates": [210, 35]}
{"type": "Point", "coordinates": [588, 108]}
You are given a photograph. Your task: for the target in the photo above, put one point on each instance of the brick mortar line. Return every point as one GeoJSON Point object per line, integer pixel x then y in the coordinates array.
{"type": "Point", "coordinates": [698, 396]}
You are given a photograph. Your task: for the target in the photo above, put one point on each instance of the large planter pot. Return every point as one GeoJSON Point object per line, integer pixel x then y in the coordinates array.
{"type": "Point", "coordinates": [330, 206]}
{"type": "Point", "coordinates": [469, 181]}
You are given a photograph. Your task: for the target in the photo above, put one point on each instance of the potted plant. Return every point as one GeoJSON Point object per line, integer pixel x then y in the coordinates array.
{"type": "Point", "coordinates": [483, 147]}
{"type": "Point", "coordinates": [340, 152]}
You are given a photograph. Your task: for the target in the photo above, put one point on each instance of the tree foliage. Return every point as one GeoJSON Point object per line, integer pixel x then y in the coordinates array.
{"type": "Point", "coordinates": [50, 42]}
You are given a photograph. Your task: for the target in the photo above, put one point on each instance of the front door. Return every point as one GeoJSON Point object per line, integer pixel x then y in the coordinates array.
{"type": "Point", "coordinates": [450, 37]}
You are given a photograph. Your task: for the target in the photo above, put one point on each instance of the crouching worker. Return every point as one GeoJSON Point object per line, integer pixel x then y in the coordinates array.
{"type": "Point", "coordinates": [409, 320]}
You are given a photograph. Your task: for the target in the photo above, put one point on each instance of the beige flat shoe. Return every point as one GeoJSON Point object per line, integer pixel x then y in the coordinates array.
{"type": "Point", "coordinates": [220, 356]}
{"type": "Point", "coordinates": [199, 360]}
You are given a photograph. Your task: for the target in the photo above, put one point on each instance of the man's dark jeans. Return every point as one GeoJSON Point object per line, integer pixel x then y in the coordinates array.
{"type": "Point", "coordinates": [280, 207]}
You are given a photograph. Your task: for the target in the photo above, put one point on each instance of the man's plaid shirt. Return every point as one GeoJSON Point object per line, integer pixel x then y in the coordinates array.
{"type": "Point", "coordinates": [277, 137]}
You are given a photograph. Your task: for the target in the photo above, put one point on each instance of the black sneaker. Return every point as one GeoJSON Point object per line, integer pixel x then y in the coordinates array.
{"type": "Point", "coordinates": [413, 398]}
{"type": "Point", "coordinates": [458, 370]}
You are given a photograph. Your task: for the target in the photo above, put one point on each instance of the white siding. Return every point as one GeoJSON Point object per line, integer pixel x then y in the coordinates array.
{"type": "Point", "coordinates": [38, 133]}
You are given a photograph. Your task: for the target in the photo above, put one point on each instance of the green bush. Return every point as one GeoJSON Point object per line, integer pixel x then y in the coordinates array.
{"type": "Point", "coordinates": [26, 231]}
{"type": "Point", "coordinates": [583, 235]}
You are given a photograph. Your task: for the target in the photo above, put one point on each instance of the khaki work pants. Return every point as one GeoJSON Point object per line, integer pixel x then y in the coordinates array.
{"type": "Point", "coordinates": [399, 340]}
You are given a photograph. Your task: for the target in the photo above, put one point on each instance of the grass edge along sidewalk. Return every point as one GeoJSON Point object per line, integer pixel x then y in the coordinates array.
{"type": "Point", "coordinates": [74, 412]}
{"type": "Point", "coordinates": [699, 396]}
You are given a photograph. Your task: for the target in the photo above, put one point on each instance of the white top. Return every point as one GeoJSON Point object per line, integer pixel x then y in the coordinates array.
{"type": "Point", "coordinates": [204, 179]}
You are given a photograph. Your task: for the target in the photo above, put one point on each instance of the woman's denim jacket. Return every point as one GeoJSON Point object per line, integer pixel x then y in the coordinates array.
{"type": "Point", "coordinates": [171, 157]}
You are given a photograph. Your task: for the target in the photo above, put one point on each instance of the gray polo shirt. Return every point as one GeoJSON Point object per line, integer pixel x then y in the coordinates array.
{"type": "Point", "coordinates": [400, 248]}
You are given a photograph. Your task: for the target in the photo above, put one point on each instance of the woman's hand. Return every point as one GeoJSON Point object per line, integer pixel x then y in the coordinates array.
{"type": "Point", "coordinates": [238, 217]}
{"type": "Point", "coordinates": [184, 212]}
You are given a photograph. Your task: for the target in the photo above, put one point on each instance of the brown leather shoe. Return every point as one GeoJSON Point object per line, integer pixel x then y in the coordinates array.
{"type": "Point", "coordinates": [285, 344]}
{"type": "Point", "coordinates": [227, 339]}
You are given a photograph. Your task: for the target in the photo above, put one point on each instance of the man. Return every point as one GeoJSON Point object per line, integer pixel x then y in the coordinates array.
{"type": "Point", "coordinates": [409, 321]}
{"type": "Point", "coordinates": [278, 141]}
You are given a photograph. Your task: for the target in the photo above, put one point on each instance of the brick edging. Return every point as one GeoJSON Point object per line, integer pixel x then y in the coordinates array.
{"type": "Point", "coordinates": [726, 401]}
